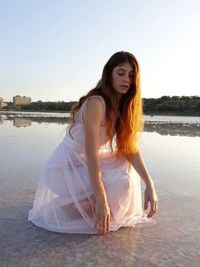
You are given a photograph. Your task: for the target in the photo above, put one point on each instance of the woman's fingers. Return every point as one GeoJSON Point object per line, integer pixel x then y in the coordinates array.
{"type": "Point", "coordinates": [108, 223]}
{"type": "Point", "coordinates": [99, 227]}
{"type": "Point", "coordinates": [150, 196]}
{"type": "Point", "coordinates": [151, 213]}
{"type": "Point", "coordinates": [103, 225]}
{"type": "Point", "coordinates": [154, 208]}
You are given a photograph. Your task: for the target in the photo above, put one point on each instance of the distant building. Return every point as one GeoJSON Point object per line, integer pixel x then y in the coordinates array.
{"type": "Point", "coordinates": [2, 104]}
{"type": "Point", "coordinates": [21, 100]}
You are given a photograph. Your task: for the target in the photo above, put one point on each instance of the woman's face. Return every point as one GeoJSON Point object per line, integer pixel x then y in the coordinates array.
{"type": "Point", "coordinates": [122, 76]}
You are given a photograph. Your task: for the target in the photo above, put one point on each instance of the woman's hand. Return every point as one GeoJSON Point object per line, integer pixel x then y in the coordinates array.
{"type": "Point", "coordinates": [151, 196]}
{"type": "Point", "coordinates": [102, 212]}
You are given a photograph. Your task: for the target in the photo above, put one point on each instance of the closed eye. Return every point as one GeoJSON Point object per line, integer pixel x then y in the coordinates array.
{"type": "Point", "coordinates": [121, 74]}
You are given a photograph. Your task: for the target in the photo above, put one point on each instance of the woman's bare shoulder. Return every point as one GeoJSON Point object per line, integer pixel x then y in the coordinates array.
{"type": "Point", "coordinates": [94, 109]}
{"type": "Point", "coordinates": [96, 100]}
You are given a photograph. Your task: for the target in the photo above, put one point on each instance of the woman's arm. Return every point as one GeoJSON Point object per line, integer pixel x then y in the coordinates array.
{"type": "Point", "coordinates": [93, 115]}
{"type": "Point", "coordinates": [139, 165]}
{"type": "Point", "coordinates": [150, 192]}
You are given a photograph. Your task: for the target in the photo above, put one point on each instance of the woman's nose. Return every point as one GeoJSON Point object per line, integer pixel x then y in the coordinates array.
{"type": "Point", "coordinates": [127, 78]}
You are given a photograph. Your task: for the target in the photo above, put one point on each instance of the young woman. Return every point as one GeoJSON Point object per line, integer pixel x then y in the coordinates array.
{"type": "Point", "coordinates": [91, 183]}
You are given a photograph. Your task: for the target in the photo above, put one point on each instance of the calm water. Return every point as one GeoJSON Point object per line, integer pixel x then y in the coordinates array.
{"type": "Point", "coordinates": [173, 162]}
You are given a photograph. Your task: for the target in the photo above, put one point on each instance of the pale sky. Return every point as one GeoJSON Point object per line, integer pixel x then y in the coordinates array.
{"type": "Point", "coordinates": [55, 50]}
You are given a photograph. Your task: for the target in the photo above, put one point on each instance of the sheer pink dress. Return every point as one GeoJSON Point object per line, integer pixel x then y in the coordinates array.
{"type": "Point", "coordinates": [64, 201]}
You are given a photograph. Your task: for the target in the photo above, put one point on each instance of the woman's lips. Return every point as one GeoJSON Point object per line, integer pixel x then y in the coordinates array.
{"type": "Point", "coordinates": [124, 86]}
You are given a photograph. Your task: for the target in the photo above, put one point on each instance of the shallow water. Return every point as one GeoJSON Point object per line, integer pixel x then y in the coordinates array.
{"type": "Point", "coordinates": [173, 162]}
{"type": "Point", "coordinates": [174, 119]}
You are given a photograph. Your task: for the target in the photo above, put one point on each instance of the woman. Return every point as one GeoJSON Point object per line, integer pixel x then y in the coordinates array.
{"type": "Point", "coordinates": [91, 183]}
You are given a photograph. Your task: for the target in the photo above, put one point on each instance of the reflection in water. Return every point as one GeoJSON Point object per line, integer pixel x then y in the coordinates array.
{"type": "Point", "coordinates": [2, 118]}
{"type": "Point", "coordinates": [21, 122]}
{"type": "Point", "coordinates": [168, 128]}
{"type": "Point", "coordinates": [162, 127]}
{"type": "Point", "coordinates": [61, 120]}
{"type": "Point", "coordinates": [173, 162]}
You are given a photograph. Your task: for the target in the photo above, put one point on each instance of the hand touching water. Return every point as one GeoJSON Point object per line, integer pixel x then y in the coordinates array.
{"type": "Point", "coordinates": [151, 196]}
{"type": "Point", "coordinates": [102, 212]}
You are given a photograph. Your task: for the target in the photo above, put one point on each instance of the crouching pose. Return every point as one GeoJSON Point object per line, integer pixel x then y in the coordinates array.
{"type": "Point", "coordinates": [91, 182]}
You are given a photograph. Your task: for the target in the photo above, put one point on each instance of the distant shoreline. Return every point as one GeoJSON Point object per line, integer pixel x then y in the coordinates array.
{"type": "Point", "coordinates": [185, 114]}
{"type": "Point", "coordinates": [163, 106]}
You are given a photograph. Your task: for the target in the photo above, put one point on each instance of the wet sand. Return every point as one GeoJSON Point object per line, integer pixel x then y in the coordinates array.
{"type": "Point", "coordinates": [173, 241]}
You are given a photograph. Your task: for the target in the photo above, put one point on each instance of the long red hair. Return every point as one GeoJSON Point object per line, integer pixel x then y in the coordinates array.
{"type": "Point", "coordinates": [130, 113]}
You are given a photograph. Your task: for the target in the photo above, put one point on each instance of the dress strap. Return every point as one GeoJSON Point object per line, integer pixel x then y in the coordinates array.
{"type": "Point", "coordinates": [83, 105]}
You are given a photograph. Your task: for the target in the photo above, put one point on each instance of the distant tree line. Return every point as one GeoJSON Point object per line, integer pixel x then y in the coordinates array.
{"type": "Point", "coordinates": [49, 106]}
{"type": "Point", "coordinates": [175, 105]}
